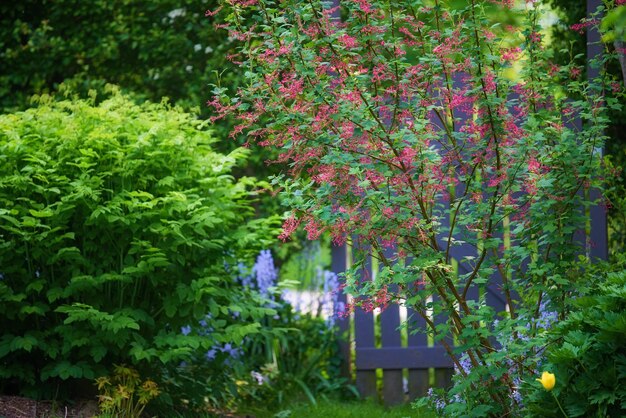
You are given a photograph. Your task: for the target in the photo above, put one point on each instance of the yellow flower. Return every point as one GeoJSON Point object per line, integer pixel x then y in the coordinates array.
{"type": "Point", "coordinates": [547, 380]}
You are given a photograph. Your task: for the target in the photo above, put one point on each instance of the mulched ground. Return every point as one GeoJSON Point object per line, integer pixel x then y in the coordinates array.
{"type": "Point", "coordinates": [18, 407]}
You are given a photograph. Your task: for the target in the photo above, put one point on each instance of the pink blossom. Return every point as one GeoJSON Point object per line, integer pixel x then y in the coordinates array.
{"type": "Point", "coordinates": [489, 35]}
{"type": "Point", "coordinates": [209, 13]}
{"type": "Point", "coordinates": [583, 25]}
{"type": "Point", "coordinates": [511, 54]}
{"type": "Point", "coordinates": [243, 3]}
{"type": "Point", "coordinates": [314, 229]}
{"type": "Point", "coordinates": [575, 72]}
{"type": "Point", "coordinates": [289, 227]}
{"type": "Point", "coordinates": [326, 174]}
{"type": "Point", "coordinates": [348, 41]}
{"type": "Point", "coordinates": [389, 212]}
{"type": "Point", "coordinates": [495, 181]}
{"type": "Point", "coordinates": [616, 86]}
{"type": "Point", "coordinates": [535, 37]}
{"type": "Point", "coordinates": [504, 3]}
{"type": "Point", "coordinates": [365, 6]}
{"type": "Point", "coordinates": [490, 84]}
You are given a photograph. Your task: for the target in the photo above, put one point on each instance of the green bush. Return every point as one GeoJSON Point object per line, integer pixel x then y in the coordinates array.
{"type": "Point", "coordinates": [589, 358]}
{"type": "Point", "coordinates": [153, 48]}
{"type": "Point", "coordinates": [117, 225]}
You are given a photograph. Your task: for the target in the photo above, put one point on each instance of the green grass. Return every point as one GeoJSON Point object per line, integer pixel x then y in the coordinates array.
{"type": "Point", "coordinates": [352, 409]}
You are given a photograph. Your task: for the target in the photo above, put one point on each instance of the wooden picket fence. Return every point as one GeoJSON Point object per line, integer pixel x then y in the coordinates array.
{"type": "Point", "coordinates": [409, 363]}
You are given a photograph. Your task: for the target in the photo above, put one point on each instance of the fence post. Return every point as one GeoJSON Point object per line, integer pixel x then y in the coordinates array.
{"type": "Point", "coordinates": [598, 239]}
{"type": "Point", "coordinates": [364, 338]}
{"type": "Point", "coordinates": [339, 264]}
{"type": "Point", "coordinates": [393, 391]}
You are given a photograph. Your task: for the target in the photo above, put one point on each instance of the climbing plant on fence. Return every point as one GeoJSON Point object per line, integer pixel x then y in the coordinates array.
{"type": "Point", "coordinates": [117, 223]}
{"type": "Point", "coordinates": [438, 141]}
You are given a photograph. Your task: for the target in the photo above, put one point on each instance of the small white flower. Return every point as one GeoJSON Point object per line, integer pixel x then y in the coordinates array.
{"type": "Point", "coordinates": [260, 379]}
{"type": "Point", "coordinates": [176, 13]}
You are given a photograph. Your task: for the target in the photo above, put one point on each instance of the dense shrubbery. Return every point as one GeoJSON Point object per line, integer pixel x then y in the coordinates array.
{"type": "Point", "coordinates": [588, 355]}
{"type": "Point", "coordinates": [152, 48]}
{"type": "Point", "coordinates": [117, 222]}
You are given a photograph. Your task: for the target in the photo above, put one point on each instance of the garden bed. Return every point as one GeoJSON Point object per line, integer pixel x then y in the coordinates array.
{"type": "Point", "coordinates": [19, 407]}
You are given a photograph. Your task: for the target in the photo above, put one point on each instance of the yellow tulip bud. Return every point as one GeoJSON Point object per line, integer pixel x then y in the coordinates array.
{"type": "Point", "coordinates": [547, 380]}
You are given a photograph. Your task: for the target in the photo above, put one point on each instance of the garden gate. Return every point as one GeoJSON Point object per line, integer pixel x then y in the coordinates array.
{"type": "Point", "coordinates": [410, 364]}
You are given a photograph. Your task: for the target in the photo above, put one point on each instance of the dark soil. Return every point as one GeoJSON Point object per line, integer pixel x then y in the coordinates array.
{"type": "Point", "coordinates": [18, 407]}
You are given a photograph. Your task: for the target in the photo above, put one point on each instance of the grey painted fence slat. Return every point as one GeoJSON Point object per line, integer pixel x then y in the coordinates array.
{"type": "Point", "coordinates": [364, 338]}
{"type": "Point", "coordinates": [393, 392]}
{"type": "Point", "coordinates": [418, 377]}
{"type": "Point", "coordinates": [418, 383]}
{"type": "Point", "coordinates": [338, 265]}
{"type": "Point", "coordinates": [599, 235]}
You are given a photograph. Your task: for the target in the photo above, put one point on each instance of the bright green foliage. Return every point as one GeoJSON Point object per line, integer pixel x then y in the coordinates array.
{"type": "Point", "coordinates": [589, 358]}
{"type": "Point", "coordinates": [152, 49]}
{"type": "Point", "coordinates": [614, 25]}
{"type": "Point", "coordinates": [117, 223]}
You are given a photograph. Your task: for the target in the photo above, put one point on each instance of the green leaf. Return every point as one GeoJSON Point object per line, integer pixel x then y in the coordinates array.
{"type": "Point", "coordinates": [98, 352]}
{"type": "Point", "coordinates": [46, 213]}
{"type": "Point", "coordinates": [26, 343]}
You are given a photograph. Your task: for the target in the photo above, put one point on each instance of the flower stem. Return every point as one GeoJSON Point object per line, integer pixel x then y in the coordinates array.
{"type": "Point", "coordinates": [559, 404]}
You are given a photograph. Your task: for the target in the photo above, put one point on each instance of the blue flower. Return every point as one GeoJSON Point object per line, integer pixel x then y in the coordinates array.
{"type": "Point", "coordinates": [265, 272]}
{"type": "Point", "coordinates": [546, 317]}
{"type": "Point", "coordinates": [466, 364]}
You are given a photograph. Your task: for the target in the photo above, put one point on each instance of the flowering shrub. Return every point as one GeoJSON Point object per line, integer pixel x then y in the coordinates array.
{"type": "Point", "coordinates": [435, 137]}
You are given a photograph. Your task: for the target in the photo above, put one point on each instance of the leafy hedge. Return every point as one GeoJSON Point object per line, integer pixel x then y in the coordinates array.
{"type": "Point", "coordinates": [117, 225]}
{"type": "Point", "coordinates": [589, 354]}
{"type": "Point", "coordinates": [153, 48]}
